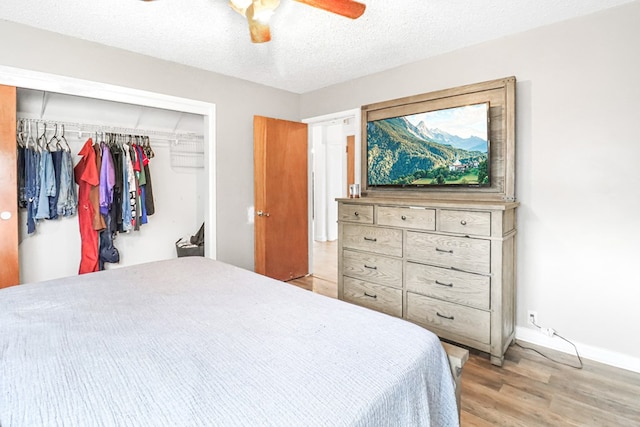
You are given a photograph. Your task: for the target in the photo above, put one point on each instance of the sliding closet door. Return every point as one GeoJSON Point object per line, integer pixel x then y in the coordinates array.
{"type": "Point", "coordinates": [9, 272]}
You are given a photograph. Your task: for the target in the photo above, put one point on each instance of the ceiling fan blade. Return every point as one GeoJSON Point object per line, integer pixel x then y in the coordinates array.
{"type": "Point", "coordinates": [260, 31]}
{"type": "Point", "coordinates": [348, 8]}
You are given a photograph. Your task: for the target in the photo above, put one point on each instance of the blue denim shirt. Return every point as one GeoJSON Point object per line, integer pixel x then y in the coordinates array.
{"type": "Point", "coordinates": [47, 185]}
{"type": "Point", "coordinates": [32, 188]}
{"type": "Point", "coordinates": [68, 197]}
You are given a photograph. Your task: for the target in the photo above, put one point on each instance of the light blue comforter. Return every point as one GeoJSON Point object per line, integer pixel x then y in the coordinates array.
{"type": "Point", "coordinates": [196, 342]}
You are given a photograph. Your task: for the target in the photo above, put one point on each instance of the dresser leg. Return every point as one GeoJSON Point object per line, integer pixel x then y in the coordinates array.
{"type": "Point", "coordinates": [497, 360]}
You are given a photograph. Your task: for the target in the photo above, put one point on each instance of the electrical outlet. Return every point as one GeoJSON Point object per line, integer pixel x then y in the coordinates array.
{"type": "Point", "coordinates": [532, 318]}
{"type": "Point", "coordinates": [250, 215]}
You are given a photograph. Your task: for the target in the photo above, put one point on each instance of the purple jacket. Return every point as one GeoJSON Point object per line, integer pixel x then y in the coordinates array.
{"type": "Point", "coordinates": [107, 180]}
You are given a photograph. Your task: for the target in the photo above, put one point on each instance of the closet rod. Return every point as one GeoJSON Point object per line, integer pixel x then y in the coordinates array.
{"type": "Point", "coordinates": [80, 128]}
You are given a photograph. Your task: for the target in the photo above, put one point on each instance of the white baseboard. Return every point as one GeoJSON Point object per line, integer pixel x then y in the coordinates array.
{"type": "Point", "coordinates": [597, 354]}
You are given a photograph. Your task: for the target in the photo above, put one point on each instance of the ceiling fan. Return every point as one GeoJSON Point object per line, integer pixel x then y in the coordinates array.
{"type": "Point", "coordinates": [258, 13]}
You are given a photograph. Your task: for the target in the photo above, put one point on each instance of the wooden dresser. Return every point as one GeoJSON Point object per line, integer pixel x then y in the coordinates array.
{"type": "Point", "coordinates": [446, 265]}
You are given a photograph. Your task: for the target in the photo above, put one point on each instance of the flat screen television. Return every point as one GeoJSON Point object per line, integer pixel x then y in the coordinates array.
{"type": "Point", "coordinates": [439, 148]}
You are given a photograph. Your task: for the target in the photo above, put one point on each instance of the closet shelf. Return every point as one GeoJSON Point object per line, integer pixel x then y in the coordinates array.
{"type": "Point", "coordinates": [187, 154]}
{"type": "Point", "coordinates": [82, 130]}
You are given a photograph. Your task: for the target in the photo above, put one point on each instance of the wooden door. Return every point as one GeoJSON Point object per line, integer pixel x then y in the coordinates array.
{"type": "Point", "coordinates": [281, 201]}
{"type": "Point", "coordinates": [9, 269]}
{"type": "Point", "coordinates": [351, 161]}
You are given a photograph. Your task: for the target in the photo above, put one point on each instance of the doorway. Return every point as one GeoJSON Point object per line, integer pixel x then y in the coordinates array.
{"type": "Point", "coordinates": [330, 168]}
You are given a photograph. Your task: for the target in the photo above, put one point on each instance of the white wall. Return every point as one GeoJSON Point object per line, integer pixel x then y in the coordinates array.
{"type": "Point", "coordinates": [237, 101]}
{"type": "Point", "coordinates": [577, 123]}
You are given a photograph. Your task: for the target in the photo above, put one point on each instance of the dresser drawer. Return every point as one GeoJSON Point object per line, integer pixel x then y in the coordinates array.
{"type": "Point", "coordinates": [461, 253]}
{"type": "Point", "coordinates": [407, 217]}
{"type": "Point", "coordinates": [449, 285]}
{"type": "Point", "coordinates": [373, 268]}
{"type": "Point", "coordinates": [376, 297]}
{"type": "Point", "coordinates": [355, 213]}
{"type": "Point", "coordinates": [465, 222]}
{"type": "Point", "coordinates": [386, 241]}
{"type": "Point", "coordinates": [454, 319]}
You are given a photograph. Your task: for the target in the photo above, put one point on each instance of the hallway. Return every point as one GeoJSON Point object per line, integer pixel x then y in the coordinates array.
{"type": "Point", "coordinates": [325, 270]}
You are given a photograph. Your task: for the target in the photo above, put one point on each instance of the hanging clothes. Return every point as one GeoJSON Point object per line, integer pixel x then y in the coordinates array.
{"type": "Point", "coordinates": [149, 202]}
{"type": "Point", "coordinates": [116, 206]}
{"type": "Point", "coordinates": [107, 251]}
{"type": "Point", "coordinates": [134, 189]}
{"type": "Point", "coordinates": [142, 182]}
{"type": "Point", "coordinates": [148, 199]}
{"type": "Point", "coordinates": [107, 179]}
{"type": "Point", "coordinates": [88, 179]}
{"type": "Point", "coordinates": [94, 194]}
{"type": "Point", "coordinates": [131, 211]}
{"type": "Point", "coordinates": [114, 192]}
{"type": "Point", "coordinates": [22, 198]}
{"type": "Point", "coordinates": [56, 157]}
{"type": "Point", "coordinates": [67, 198]}
{"type": "Point", "coordinates": [32, 188]}
{"type": "Point", "coordinates": [126, 182]}
{"type": "Point", "coordinates": [47, 184]}
{"type": "Point", "coordinates": [46, 187]}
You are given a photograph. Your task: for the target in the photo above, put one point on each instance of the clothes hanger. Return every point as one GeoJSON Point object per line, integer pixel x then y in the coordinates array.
{"type": "Point", "coordinates": [20, 133]}
{"type": "Point", "coordinates": [66, 146]}
{"type": "Point", "coordinates": [30, 141]}
{"type": "Point", "coordinates": [54, 138]}
{"type": "Point", "coordinates": [41, 142]}
{"type": "Point", "coordinates": [148, 150]}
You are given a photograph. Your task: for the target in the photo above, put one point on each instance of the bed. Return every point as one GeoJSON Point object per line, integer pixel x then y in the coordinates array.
{"type": "Point", "coordinates": [197, 342]}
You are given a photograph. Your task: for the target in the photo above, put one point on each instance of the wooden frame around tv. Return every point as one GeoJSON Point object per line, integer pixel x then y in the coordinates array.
{"type": "Point", "coordinates": [500, 94]}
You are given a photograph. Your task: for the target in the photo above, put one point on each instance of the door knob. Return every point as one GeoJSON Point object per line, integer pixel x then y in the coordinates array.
{"type": "Point", "coordinates": [260, 213]}
{"type": "Point", "coordinates": [5, 215]}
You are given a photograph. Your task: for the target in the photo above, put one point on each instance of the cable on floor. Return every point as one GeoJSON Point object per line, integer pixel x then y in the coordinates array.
{"type": "Point", "coordinates": [555, 334]}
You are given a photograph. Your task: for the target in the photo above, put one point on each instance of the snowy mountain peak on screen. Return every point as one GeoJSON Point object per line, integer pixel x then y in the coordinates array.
{"type": "Point", "coordinates": [472, 143]}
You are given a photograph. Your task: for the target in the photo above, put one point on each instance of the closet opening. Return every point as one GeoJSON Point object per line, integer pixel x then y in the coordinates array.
{"type": "Point", "coordinates": [182, 136]}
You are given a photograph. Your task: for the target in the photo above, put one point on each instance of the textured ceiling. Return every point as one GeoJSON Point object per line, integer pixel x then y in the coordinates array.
{"type": "Point", "coordinates": [310, 48]}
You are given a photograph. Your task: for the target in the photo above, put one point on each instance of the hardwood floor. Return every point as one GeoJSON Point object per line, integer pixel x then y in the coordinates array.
{"type": "Point", "coordinates": [325, 270]}
{"type": "Point", "coordinates": [528, 390]}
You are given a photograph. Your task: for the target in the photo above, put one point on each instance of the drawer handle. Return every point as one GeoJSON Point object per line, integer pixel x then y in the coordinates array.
{"type": "Point", "coordinates": [444, 317]}
{"type": "Point", "coordinates": [356, 213]}
{"type": "Point", "coordinates": [371, 239]}
{"type": "Point", "coordinates": [463, 222]}
{"type": "Point", "coordinates": [449, 285]}
{"type": "Point", "coordinates": [404, 218]}
{"type": "Point", "coordinates": [370, 267]}
{"type": "Point", "coordinates": [445, 250]}
{"type": "Point", "coordinates": [370, 296]}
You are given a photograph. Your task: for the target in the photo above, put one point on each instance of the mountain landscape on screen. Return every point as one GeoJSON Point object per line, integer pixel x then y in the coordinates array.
{"type": "Point", "coordinates": [400, 153]}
